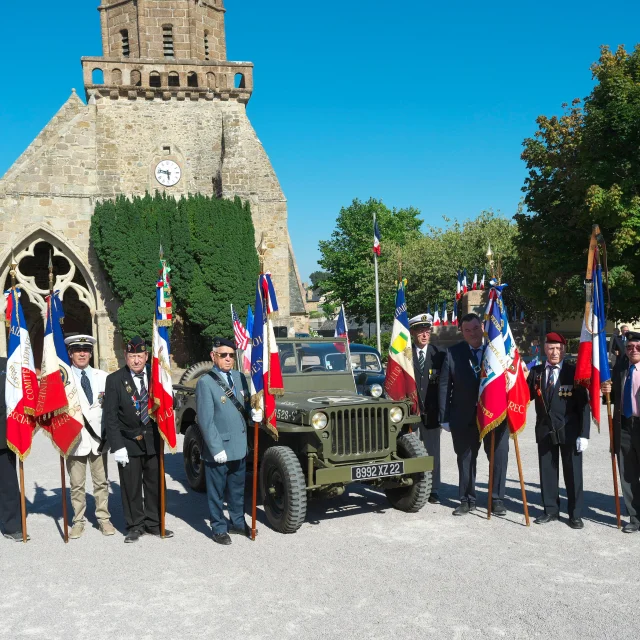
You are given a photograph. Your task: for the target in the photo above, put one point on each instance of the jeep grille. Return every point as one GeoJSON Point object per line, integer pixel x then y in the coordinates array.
{"type": "Point", "coordinates": [364, 430]}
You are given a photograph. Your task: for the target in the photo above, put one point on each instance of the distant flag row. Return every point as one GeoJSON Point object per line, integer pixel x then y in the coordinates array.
{"type": "Point", "coordinates": [462, 284]}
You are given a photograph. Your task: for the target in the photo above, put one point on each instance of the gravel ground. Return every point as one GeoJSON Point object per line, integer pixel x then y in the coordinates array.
{"type": "Point", "coordinates": [356, 568]}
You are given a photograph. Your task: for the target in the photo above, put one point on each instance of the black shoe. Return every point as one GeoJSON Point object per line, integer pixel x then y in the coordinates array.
{"type": "Point", "coordinates": [242, 532]}
{"type": "Point", "coordinates": [221, 538]}
{"type": "Point", "coordinates": [632, 527]}
{"type": "Point", "coordinates": [462, 510]}
{"type": "Point", "coordinates": [472, 506]}
{"type": "Point", "coordinates": [547, 517]}
{"type": "Point", "coordinates": [433, 499]}
{"type": "Point", "coordinates": [156, 532]}
{"type": "Point", "coordinates": [16, 536]}
{"type": "Point", "coordinates": [133, 536]}
{"type": "Point", "coordinates": [498, 509]}
{"type": "Point", "coordinates": [576, 523]}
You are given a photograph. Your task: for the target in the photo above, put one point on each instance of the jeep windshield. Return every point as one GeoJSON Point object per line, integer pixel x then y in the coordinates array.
{"type": "Point", "coordinates": [313, 357]}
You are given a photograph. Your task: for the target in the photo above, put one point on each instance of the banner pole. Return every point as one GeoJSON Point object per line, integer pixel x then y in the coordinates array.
{"type": "Point", "coordinates": [65, 518]}
{"type": "Point", "coordinates": [613, 461]}
{"type": "Point", "coordinates": [254, 499]}
{"type": "Point", "coordinates": [491, 457]}
{"type": "Point", "coordinates": [23, 503]}
{"type": "Point", "coordinates": [522, 487]}
{"type": "Point", "coordinates": [375, 267]}
{"type": "Point", "coordinates": [162, 490]}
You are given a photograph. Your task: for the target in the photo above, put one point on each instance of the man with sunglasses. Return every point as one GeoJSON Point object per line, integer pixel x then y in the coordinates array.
{"type": "Point", "coordinates": [625, 384]}
{"type": "Point", "coordinates": [223, 408]}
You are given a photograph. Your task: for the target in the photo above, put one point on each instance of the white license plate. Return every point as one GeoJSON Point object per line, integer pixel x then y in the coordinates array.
{"type": "Point", "coordinates": [378, 470]}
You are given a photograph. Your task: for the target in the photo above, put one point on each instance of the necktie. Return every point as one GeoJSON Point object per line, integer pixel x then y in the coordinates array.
{"type": "Point", "coordinates": [477, 355]}
{"type": "Point", "coordinates": [627, 405]}
{"type": "Point", "coordinates": [144, 400]}
{"type": "Point", "coordinates": [421, 360]}
{"type": "Point", "coordinates": [551, 382]}
{"type": "Point", "coordinates": [86, 386]}
{"type": "Point", "coordinates": [230, 381]}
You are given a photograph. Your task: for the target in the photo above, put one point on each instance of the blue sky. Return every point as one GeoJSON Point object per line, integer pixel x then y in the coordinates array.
{"type": "Point", "coordinates": [416, 103]}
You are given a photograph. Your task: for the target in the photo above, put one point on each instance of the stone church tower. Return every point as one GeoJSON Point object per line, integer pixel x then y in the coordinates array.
{"type": "Point", "coordinates": [165, 111]}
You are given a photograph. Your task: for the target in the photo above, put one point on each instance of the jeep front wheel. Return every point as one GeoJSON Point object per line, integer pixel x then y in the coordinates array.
{"type": "Point", "coordinates": [193, 464]}
{"type": "Point", "coordinates": [283, 489]}
{"type": "Point", "coordinates": [412, 498]}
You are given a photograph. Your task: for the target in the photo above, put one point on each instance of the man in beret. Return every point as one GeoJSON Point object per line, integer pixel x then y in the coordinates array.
{"type": "Point", "coordinates": [134, 439]}
{"type": "Point", "coordinates": [625, 384]}
{"type": "Point", "coordinates": [88, 451]}
{"type": "Point", "coordinates": [459, 385]}
{"type": "Point", "coordinates": [223, 408]}
{"type": "Point", "coordinates": [563, 420]}
{"type": "Point", "coordinates": [427, 362]}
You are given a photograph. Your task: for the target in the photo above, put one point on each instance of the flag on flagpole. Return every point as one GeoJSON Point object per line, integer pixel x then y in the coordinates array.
{"type": "Point", "coordinates": [484, 274]}
{"type": "Point", "coordinates": [465, 287]}
{"type": "Point", "coordinates": [592, 367]}
{"type": "Point", "coordinates": [436, 316]}
{"type": "Point", "coordinates": [21, 388]}
{"type": "Point", "coordinates": [474, 286]}
{"type": "Point", "coordinates": [522, 314]}
{"type": "Point", "coordinates": [161, 386]}
{"type": "Point", "coordinates": [428, 308]}
{"type": "Point", "coordinates": [454, 315]}
{"type": "Point", "coordinates": [400, 380]}
{"type": "Point", "coordinates": [376, 238]}
{"type": "Point", "coordinates": [445, 319]}
{"type": "Point", "coordinates": [341, 330]}
{"type": "Point", "coordinates": [58, 410]}
{"type": "Point", "coordinates": [242, 337]}
{"type": "Point", "coordinates": [246, 362]}
{"type": "Point", "coordinates": [266, 376]}
{"type": "Point", "coordinates": [459, 286]}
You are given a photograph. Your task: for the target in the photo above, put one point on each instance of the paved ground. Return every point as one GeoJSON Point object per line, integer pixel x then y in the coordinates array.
{"type": "Point", "coordinates": [356, 569]}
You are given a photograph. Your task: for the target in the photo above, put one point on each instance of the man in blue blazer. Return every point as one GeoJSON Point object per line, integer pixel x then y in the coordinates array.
{"type": "Point", "coordinates": [459, 385]}
{"type": "Point", "coordinates": [222, 403]}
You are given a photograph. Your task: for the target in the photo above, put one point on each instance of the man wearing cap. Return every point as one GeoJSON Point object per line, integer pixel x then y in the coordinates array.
{"type": "Point", "coordinates": [88, 451]}
{"type": "Point", "coordinates": [563, 421]}
{"type": "Point", "coordinates": [134, 439]}
{"type": "Point", "coordinates": [427, 362]}
{"type": "Point", "coordinates": [459, 385]}
{"type": "Point", "coordinates": [625, 384]}
{"type": "Point", "coordinates": [223, 408]}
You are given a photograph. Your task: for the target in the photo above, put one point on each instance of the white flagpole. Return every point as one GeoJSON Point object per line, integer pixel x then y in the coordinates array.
{"type": "Point", "coordinates": [375, 266]}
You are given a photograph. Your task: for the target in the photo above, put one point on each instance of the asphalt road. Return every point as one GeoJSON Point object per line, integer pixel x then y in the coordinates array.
{"type": "Point", "coordinates": [356, 568]}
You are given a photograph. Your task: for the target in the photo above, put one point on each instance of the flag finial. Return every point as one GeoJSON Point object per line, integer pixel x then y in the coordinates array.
{"type": "Point", "coordinates": [51, 271]}
{"type": "Point", "coordinates": [14, 267]}
{"type": "Point", "coordinates": [161, 252]}
{"type": "Point", "coordinates": [262, 251]}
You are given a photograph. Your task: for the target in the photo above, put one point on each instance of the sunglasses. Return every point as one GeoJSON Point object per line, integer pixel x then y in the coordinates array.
{"type": "Point", "coordinates": [633, 347]}
{"type": "Point", "coordinates": [225, 355]}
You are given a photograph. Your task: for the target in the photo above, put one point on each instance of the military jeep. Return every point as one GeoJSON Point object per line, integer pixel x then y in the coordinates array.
{"type": "Point", "coordinates": [329, 436]}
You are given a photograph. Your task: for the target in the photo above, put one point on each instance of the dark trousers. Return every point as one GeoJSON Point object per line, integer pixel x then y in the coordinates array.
{"type": "Point", "coordinates": [141, 511]}
{"type": "Point", "coordinates": [466, 446]}
{"type": "Point", "coordinates": [549, 458]}
{"type": "Point", "coordinates": [629, 461]}
{"type": "Point", "coordinates": [225, 481]}
{"type": "Point", "coordinates": [431, 440]}
{"type": "Point", "coordinates": [10, 515]}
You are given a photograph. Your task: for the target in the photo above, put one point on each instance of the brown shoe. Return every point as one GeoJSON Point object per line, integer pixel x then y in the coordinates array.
{"type": "Point", "coordinates": [107, 528]}
{"type": "Point", "coordinates": [77, 530]}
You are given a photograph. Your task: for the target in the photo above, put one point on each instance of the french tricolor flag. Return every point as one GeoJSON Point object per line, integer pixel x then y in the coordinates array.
{"type": "Point", "coordinates": [436, 317]}
{"type": "Point", "coordinates": [474, 286]}
{"type": "Point", "coordinates": [465, 287]}
{"type": "Point", "coordinates": [376, 238]}
{"type": "Point", "coordinates": [459, 286]}
{"type": "Point", "coordinates": [445, 319]}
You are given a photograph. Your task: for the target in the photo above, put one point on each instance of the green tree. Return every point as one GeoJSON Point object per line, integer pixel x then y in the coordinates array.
{"type": "Point", "coordinates": [584, 169]}
{"type": "Point", "coordinates": [348, 257]}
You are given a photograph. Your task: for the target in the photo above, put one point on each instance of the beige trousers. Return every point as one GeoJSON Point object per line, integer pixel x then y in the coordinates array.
{"type": "Point", "coordinates": [77, 468]}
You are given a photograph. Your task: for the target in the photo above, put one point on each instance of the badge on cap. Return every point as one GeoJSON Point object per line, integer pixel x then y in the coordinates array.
{"type": "Point", "coordinates": [80, 341]}
{"type": "Point", "coordinates": [136, 345]}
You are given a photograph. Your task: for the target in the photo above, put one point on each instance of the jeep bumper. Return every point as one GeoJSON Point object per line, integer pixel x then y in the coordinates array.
{"type": "Point", "coordinates": [342, 474]}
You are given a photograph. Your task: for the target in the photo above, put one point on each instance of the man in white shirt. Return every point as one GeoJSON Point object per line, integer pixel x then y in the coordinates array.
{"type": "Point", "coordinates": [90, 383]}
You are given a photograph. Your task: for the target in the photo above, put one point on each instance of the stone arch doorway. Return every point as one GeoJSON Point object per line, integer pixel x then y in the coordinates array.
{"type": "Point", "coordinates": [71, 279]}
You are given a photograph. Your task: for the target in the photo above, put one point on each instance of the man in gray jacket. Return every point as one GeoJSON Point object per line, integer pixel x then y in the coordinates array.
{"type": "Point", "coordinates": [222, 403]}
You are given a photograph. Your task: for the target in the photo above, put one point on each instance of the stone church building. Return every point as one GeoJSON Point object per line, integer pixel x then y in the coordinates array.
{"type": "Point", "coordinates": [165, 110]}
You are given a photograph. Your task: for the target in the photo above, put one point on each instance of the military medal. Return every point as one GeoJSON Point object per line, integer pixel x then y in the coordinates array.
{"type": "Point", "coordinates": [223, 399]}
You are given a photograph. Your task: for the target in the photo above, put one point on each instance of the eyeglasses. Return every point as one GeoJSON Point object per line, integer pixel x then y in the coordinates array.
{"type": "Point", "coordinates": [225, 355]}
{"type": "Point", "coordinates": [633, 347]}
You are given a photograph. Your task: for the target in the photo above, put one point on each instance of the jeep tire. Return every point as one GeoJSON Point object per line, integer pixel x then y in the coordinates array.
{"type": "Point", "coordinates": [412, 498]}
{"type": "Point", "coordinates": [283, 489]}
{"type": "Point", "coordinates": [193, 464]}
{"type": "Point", "coordinates": [196, 370]}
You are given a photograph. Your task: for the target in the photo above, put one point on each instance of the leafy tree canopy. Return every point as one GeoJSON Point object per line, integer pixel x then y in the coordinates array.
{"type": "Point", "coordinates": [584, 169]}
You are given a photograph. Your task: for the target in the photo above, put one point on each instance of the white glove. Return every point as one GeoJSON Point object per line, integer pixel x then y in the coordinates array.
{"type": "Point", "coordinates": [582, 444]}
{"type": "Point", "coordinates": [256, 415]}
{"type": "Point", "coordinates": [221, 457]}
{"type": "Point", "coordinates": [121, 456]}
{"type": "Point", "coordinates": [445, 426]}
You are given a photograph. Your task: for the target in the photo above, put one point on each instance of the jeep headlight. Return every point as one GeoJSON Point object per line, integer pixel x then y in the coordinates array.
{"type": "Point", "coordinates": [375, 390]}
{"type": "Point", "coordinates": [396, 414]}
{"type": "Point", "coordinates": [319, 420]}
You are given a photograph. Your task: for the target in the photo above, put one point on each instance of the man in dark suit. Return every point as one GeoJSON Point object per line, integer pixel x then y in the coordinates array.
{"type": "Point", "coordinates": [618, 344]}
{"type": "Point", "coordinates": [563, 421]}
{"type": "Point", "coordinates": [459, 385]}
{"type": "Point", "coordinates": [427, 362]}
{"type": "Point", "coordinates": [223, 408]}
{"type": "Point", "coordinates": [10, 515]}
{"type": "Point", "coordinates": [625, 384]}
{"type": "Point", "coordinates": [135, 442]}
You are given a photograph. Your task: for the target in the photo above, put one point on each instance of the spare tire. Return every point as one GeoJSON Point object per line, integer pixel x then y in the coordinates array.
{"type": "Point", "coordinates": [196, 370]}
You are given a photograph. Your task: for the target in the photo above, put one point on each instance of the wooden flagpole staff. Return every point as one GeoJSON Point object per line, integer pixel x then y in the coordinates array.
{"type": "Point", "coordinates": [23, 502]}
{"type": "Point", "coordinates": [492, 447]}
{"type": "Point", "coordinates": [63, 478]}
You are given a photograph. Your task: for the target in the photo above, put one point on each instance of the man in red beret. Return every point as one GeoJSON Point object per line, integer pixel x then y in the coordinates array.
{"type": "Point", "coordinates": [563, 421]}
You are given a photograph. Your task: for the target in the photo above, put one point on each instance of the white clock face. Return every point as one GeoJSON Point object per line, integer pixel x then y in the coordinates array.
{"type": "Point", "coordinates": [168, 173]}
